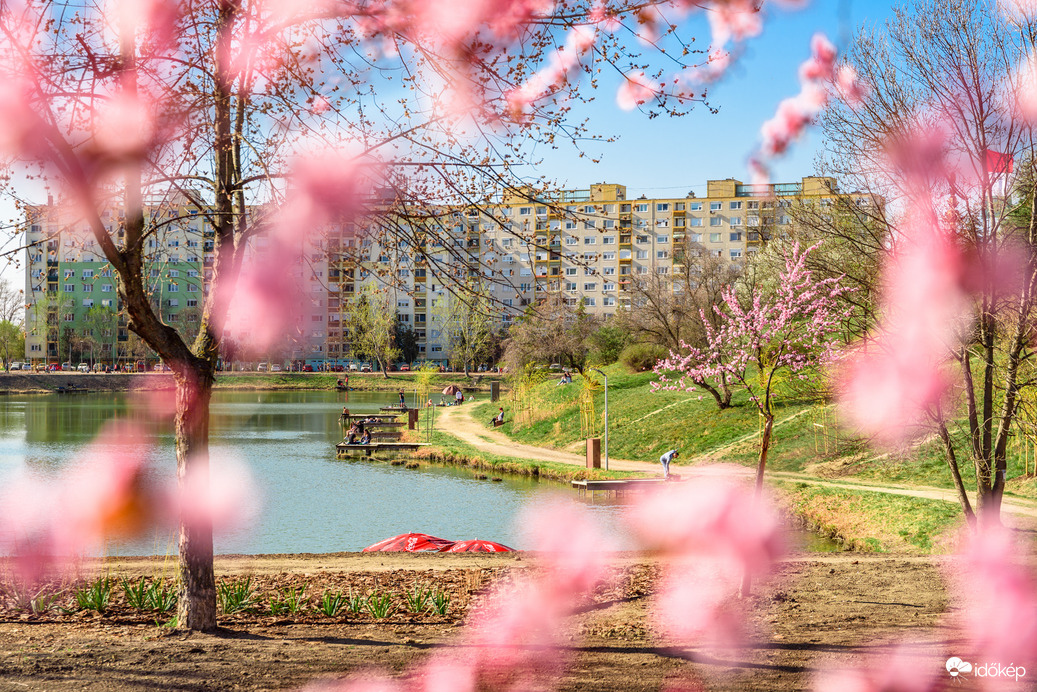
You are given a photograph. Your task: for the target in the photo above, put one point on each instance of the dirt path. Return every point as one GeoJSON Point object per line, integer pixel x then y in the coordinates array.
{"type": "Point", "coordinates": [457, 421]}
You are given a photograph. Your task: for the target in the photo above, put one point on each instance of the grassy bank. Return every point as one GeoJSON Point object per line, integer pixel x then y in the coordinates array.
{"type": "Point", "coordinates": [808, 436]}
{"type": "Point", "coordinates": [875, 522]}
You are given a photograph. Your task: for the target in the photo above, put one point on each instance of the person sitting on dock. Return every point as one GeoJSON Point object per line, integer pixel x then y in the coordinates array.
{"type": "Point", "coordinates": [665, 460]}
{"type": "Point", "coordinates": [351, 435]}
{"type": "Point", "coordinates": [366, 439]}
{"type": "Point", "coordinates": [498, 420]}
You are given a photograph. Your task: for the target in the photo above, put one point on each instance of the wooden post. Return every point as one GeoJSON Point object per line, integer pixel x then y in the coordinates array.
{"type": "Point", "coordinates": [594, 452]}
{"type": "Point", "coordinates": [412, 418]}
{"type": "Point", "coordinates": [494, 391]}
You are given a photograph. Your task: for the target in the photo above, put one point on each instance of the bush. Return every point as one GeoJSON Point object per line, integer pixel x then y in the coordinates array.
{"type": "Point", "coordinates": [641, 357]}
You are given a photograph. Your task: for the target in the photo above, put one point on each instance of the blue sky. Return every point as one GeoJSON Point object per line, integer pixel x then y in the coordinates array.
{"type": "Point", "coordinates": [670, 156]}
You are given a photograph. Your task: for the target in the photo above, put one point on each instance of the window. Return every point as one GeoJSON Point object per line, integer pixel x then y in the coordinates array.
{"type": "Point", "coordinates": [88, 273]}
{"type": "Point", "coordinates": [608, 240]}
{"type": "Point", "coordinates": [695, 237]}
{"type": "Point", "coordinates": [735, 220]}
{"type": "Point", "coordinates": [172, 288]}
{"type": "Point", "coordinates": [506, 242]}
{"type": "Point", "coordinates": [715, 221]}
{"type": "Point", "coordinates": [662, 254]}
{"type": "Point", "coordinates": [88, 302]}
{"type": "Point", "coordinates": [589, 302]}
{"type": "Point", "coordinates": [570, 225]}
{"type": "Point", "coordinates": [695, 206]}
{"type": "Point", "coordinates": [192, 302]}
{"type": "Point", "coordinates": [608, 287]}
{"type": "Point", "coordinates": [714, 237]}
{"type": "Point", "coordinates": [572, 240]}
{"type": "Point", "coordinates": [608, 256]}
{"type": "Point", "coordinates": [570, 271]}
{"type": "Point", "coordinates": [662, 270]}
{"type": "Point", "coordinates": [570, 286]}
{"type": "Point", "coordinates": [588, 225]}
{"type": "Point", "coordinates": [590, 240]}
{"type": "Point", "coordinates": [662, 207]}
{"type": "Point", "coordinates": [641, 207]}
{"type": "Point", "coordinates": [664, 239]}
{"type": "Point", "coordinates": [609, 302]}
{"type": "Point", "coordinates": [734, 205]}
{"type": "Point", "coordinates": [88, 288]}
{"type": "Point", "coordinates": [107, 303]}
{"type": "Point", "coordinates": [736, 237]}
{"type": "Point", "coordinates": [524, 211]}
{"type": "Point", "coordinates": [735, 254]}
{"type": "Point", "coordinates": [610, 208]}
{"type": "Point", "coordinates": [173, 273]}
{"type": "Point", "coordinates": [174, 303]}
{"type": "Point", "coordinates": [609, 271]}
{"type": "Point", "coordinates": [106, 288]}
{"type": "Point", "coordinates": [192, 288]}
{"type": "Point", "coordinates": [784, 220]}
{"type": "Point", "coordinates": [642, 254]}
{"type": "Point", "coordinates": [69, 288]}
{"type": "Point", "coordinates": [590, 287]}
{"type": "Point", "coordinates": [69, 317]}
{"type": "Point", "coordinates": [609, 223]}
{"type": "Point", "coordinates": [678, 206]}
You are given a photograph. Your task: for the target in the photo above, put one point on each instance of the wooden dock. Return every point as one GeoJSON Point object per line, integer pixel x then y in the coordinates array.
{"type": "Point", "coordinates": [379, 416]}
{"type": "Point", "coordinates": [345, 451]}
{"type": "Point", "coordinates": [622, 486]}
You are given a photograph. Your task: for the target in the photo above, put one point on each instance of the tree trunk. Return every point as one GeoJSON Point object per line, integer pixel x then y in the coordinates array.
{"type": "Point", "coordinates": [765, 445]}
{"type": "Point", "coordinates": [952, 461]}
{"type": "Point", "coordinates": [196, 604]}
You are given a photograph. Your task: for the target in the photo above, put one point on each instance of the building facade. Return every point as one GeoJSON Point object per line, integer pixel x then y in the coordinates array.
{"type": "Point", "coordinates": [588, 245]}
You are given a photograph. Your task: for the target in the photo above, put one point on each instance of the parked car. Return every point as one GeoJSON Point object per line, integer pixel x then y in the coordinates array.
{"type": "Point", "coordinates": [307, 368]}
{"type": "Point", "coordinates": [262, 367]}
{"type": "Point", "coordinates": [15, 366]}
{"type": "Point", "coordinates": [83, 367]}
{"type": "Point", "coordinates": [54, 367]}
{"type": "Point", "coordinates": [353, 367]}
{"type": "Point", "coordinates": [339, 368]}
{"type": "Point", "coordinates": [405, 368]}
{"type": "Point", "coordinates": [366, 367]}
{"type": "Point", "coordinates": [276, 368]}
{"type": "Point", "coordinates": [67, 367]}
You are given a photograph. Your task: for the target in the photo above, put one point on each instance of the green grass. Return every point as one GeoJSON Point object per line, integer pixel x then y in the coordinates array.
{"type": "Point", "coordinates": [876, 522]}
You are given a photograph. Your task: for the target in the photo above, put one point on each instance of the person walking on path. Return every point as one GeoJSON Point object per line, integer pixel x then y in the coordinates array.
{"type": "Point", "coordinates": [459, 397]}
{"type": "Point", "coordinates": [665, 460]}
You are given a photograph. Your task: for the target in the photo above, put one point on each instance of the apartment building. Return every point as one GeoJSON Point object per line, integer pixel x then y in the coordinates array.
{"type": "Point", "coordinates": [73, 307]}
{"type": "Point", "coordinates": [590, 245]}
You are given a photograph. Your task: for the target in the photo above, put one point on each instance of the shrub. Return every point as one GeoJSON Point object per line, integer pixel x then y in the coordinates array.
{"type": "Point", "coordinates": [641, 357]}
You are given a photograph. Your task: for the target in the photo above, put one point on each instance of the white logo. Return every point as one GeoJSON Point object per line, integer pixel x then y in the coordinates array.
{"type": "Point", "coordinates": [956, 666]}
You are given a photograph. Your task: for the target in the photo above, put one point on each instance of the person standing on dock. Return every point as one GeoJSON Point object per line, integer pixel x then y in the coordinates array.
{"type": "Point", "coordinates": [665, 460]}
{"type": "Point", "coordinates": [403, 400]}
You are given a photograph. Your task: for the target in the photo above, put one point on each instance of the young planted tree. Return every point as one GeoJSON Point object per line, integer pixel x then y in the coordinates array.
{"type": "Point", "coordinates": [466, 323]}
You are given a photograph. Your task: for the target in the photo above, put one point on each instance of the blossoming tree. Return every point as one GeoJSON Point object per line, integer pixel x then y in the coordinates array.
{"type": "Point", "coordinates": [792, 328]}
{"type": "Point", "coordinates": [276, 117]}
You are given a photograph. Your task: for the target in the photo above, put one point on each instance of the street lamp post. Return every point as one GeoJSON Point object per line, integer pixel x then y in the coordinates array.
{"type": "Point", "coordinates": [606, 416]}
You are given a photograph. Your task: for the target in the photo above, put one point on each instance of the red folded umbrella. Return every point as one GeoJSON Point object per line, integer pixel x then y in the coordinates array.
{"type": "Point", "coordinates": [477, 546]}
{"type": "Point", "coordinates": [410, 543]}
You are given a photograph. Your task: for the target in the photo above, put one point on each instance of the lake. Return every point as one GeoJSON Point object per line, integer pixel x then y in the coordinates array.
{"type": "Point", "coordinates": [310, 501]}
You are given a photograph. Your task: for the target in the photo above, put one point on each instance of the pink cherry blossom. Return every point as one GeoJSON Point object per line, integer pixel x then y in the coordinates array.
{"type": "Point", "coordinates": [636, 90]}
{"type": "Point", "coordinates": [900, 671]}
{"type": "Point", "coordinates": [1026, 91]}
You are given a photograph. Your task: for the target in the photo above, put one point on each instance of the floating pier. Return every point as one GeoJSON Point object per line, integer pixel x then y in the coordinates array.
{"type": "Point", "coordinates": [621, 486]}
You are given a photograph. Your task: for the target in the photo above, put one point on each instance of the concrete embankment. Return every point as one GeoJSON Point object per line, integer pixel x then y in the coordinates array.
{"type": "Point", "coordinates": [45, 383]}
